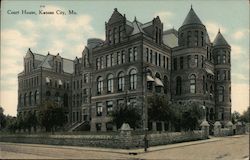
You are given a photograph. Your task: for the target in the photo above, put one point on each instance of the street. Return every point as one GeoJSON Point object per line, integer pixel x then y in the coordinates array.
{"type": "Point", "coordinates": [222, 148]}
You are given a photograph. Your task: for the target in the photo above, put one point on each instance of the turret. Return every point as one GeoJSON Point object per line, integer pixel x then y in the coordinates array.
{"type": "Point", "coordinates": [192, 33]}
{"type": "Point", "coordinates": [222, 59]}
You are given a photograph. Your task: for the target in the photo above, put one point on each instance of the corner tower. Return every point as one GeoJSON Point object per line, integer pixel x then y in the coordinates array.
{"type": "Point", "coordinates": [192, 65]}
{"type": "Point", "coordinates": [222, 58]}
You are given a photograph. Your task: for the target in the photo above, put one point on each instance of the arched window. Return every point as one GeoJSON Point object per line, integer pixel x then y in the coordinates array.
{"type": "Point", "coordinates": [36, 96]}
{"type": "Point", "coordinates": [110, 83]}
{"type": "Point", "coordinates": [178, 86]}
{"type": "Point", "coordinates": [57, 97]}
{"type": "Point", "coordinates": [48, 93]}
{"type": "Point", "coordinates": [99, 85]}
{"type": "Point", "coordinates": [165, 81]}
{"type": "Point", "coordinates": [192, 84]}
{"type": "Point", "coordinates": [65, 100]}
{"type": "Point", "coordinates": [221, 94]}
{"type": "Point", "coordinates": [30, 98]}
{"type": "Point", "coordinates": [133, 79]}
{"type": "Point", "coordinates": [121, 81]}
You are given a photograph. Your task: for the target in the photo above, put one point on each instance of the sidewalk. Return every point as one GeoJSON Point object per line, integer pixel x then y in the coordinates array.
{"type": "Point", "coordinates": [122, 151]}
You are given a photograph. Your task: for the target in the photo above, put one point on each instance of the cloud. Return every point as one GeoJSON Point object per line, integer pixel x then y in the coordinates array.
{"type": "Point", "coordinates": [237, 50]}
{"type": "Point", "coordinates": [165, 17]}
{"type": "Point", "coordinates": [240, 34]}
{"type": "Point", "coordinates": [240, 97]}
{"type": "Point", "coordinates": [55, 33]}
{"type": "Point", "coordinates": [213, 28]}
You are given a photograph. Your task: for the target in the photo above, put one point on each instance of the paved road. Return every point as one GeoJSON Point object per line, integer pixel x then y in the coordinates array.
{"type": "Point", "coordinates": [228, 148]}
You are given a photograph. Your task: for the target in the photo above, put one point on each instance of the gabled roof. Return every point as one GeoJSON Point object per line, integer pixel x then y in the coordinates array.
{"type": "Point", "coordinates": [191, 18]}
{"type": "Point", "coordinates": [220, 40]}
{"type": "Point", "coordinates": [116, 16]}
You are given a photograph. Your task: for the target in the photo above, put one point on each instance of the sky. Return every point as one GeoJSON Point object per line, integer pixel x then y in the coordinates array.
{"type": "Point", "coordinates": [68, 34]}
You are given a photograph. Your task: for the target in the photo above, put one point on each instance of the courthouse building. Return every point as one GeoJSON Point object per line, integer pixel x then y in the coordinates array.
{"type": "Point", "coordinates": [135, 61]}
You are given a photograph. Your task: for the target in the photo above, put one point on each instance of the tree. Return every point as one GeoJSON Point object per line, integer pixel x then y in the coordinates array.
{"type": "Point", "coordinates": [235, 117]}
{"type": "Point", "coordinates": [29, 121]}
{"type": "Point", "coordinates": [2, 118]}
{"type": "Point", "coordinates": [246, 115]}
{"type": "Point", "coordinates": [126, 114]}
{"type": "Point", "coordinates": [191, 116]}
{"type": "Point", "coordinates": [158, 109]}
{"type": "Point", "coordinates": [51, 116]}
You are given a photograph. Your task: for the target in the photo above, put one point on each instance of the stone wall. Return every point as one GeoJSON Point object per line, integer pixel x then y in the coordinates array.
{"type": "Point", "coordinates": [121, 140]}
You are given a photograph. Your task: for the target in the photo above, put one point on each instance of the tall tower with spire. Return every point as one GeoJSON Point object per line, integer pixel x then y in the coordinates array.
{"type": "Point", "coordinates": [192, 66]}
{"type": "Point", "coordinates": [221, 51]}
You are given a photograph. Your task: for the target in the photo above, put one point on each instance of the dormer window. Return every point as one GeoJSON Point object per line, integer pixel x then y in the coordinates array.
{"type": "Point", "coordinates": [189, 38]}
{"type": "Point", "coordinates": [156, 34]}
{"type": "Point", "coordinates": [109, 37]}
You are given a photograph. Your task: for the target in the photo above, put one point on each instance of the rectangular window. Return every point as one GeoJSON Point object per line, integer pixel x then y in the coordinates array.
{"type": "Point", "coordinates": [175, 63]}
{"type": "Point", "coordinates": [218, 59]}
{"type": "Point", "coordinates": [189, 61]}
{"type": "Point", "coordinates": [109, 36]}
{"type": "Point", "coordinates": [112, 60]}
{"type": "Point", "coordinates": [120, 102]}
{"type": "Point", "coordinates": [132, 102]}
{"type": "Point", "coordinates": [102, 63]}
{"type": "Point", "coordinates": [99, 109]}
{"type": "Point", "coordinates": [151, 56]}
{"type": "Point", "coordinates": [196, 60]}
{"type": "Point", "coordinates": [196, 38]}
{"type": "Point", "coordinates": [202, 61]}
{"type": "Point", "coordinates": [218, 75]}
{"type": "Point", "coordinates": [130, 54]}
{"type": "Point", "coordinates": [135, 53]}
{"type": "Point", "coordinates": [156, 58]}
{"type": "Point", "coordinates": [181, 62]}
{"type": "Point", "coordinates": [224, 59]}
{"type": "Point", "coordinates": [120, 33]}
{"type": "Point", "coordinates": [123, 56]}
{"type": "Point", "coordinates": [108, 61]}
{"type": "Point", "coordinates": [119, 60]}
{"type": "Point", "coordinates": [147, 55]}
{"type": "Point", "coordinates": [164, 62]}
{"type": "Point", "coordinates": [168, 64]}
{"type": "Point", "coordinates": [229, 75]}
{"type": "Point", "coordinates": [109, 107]}
{"type": "Point", "coordinates": [159, 57]}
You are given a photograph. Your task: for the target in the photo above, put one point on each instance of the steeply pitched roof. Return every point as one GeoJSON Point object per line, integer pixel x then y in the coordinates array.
{"type": "Point", "coordinates": [116, 16]}
{"type": "Point", "coordinates": [220, 40]}
{"type": "Point", "coordinates": [191, 18]}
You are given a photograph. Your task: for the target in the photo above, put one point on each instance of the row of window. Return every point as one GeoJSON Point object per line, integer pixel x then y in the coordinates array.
{"type": "Point", "coordinates": [115, 35]}
{"type": "Point", "coordinates": [221, 59]}
{"type": "Point", "coordinates": [159, 59]}
{"type": "Point", "coordinates": [31, 98]}
{"type": "Point", "coordinates": [109, 60]}
{"type": "Point", "coordinates": [58, 66]}
{"type": "Point", "coordinates": [78, 116]}
{"type": "Point", "coordinates": [79, 98]}
{"type": "Point", "coordinates": [58, 98]}
{"type": "Point", "coordinates": [28, 66]}
{"type": "Point", "coordinates": [191, 61]}
{"type": "Point", "coordinates": [27, 83]}
{"type": "Point", "coordinates": [223, 75]}
{"type": "Point", "coordinates": [192, 85]}
{"type": "Point", "coordinates": [192, 38]}
{"type": "Point", "coordinates": [110, 106]}
{"type": "Point", "coordinates": [57, 83]}
{"type": "Point", "coordinates": [79, 83]}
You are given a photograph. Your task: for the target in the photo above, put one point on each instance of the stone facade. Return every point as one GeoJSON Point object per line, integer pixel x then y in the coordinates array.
{"type": "Point", "coordinates": [134, 61]}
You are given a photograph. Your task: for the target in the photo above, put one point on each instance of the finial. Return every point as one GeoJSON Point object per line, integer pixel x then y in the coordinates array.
{"type": "Point", "coordinates": [191, 6]}
{"type": "Point", "coordinates": [219, 30]}
{"type": "Point", "coordinates": [58, 54]}
{"type": "Point", "coordinates": [115, 9]}
{"type": "Point", "coordinates": [135, 19]}
{"type": "Point", "coordinates": [48, 53]}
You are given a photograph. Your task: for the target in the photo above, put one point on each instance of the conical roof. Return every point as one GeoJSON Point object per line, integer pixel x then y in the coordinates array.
{"type": "Point", "coordinates": [191, 18]}
{"type": "Point", "coordinates": [220, 40]}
